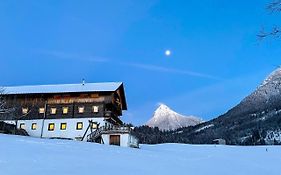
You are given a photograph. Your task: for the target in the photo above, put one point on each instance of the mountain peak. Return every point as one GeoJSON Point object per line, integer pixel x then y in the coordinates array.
{"type": "Point", "coordinates": [162, 106]}
{"type": "Point", "coordinates": [163, 110]}
{"type": "Point", "coordinates": [166, 119]}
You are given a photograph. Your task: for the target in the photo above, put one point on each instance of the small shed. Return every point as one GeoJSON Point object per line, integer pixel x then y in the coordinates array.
{"type": "Point", "coordinates": [219, 141]}
{"type": "Point", "coordinates": [120, 136]}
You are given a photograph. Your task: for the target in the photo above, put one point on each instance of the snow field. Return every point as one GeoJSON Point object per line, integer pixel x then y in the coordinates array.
{"type": "Point", "coordinates": [34, 156]}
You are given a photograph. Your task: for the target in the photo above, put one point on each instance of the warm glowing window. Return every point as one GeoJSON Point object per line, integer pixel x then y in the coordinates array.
{"type": "Point", "coordinates": [53, 110]}
{"type": "Point", "coordinates": [95, 109]}
{"type": "Point", "coordinates": [22, 126]}
{"type": "Point", "coordinates": [24, 110]}
{"type": "Point", "coordinates": [41, 110]}
{"type": "Point", "coordinates": [94, 95]}
{"type": "Point", "coordinates": [65, 110]}
{"type": "Point", "coordinates": [63, 126]}
{"type": "Point", "coordinates": [81, 109]}
{"type": "Point", "coordinates": [94, 126]}
{"type": "Point", "coordinates": [34, 126]}
{"type": "Point", "coordinates": [51, 127]}
{"type": "Point", "coordinates": [79, 126]}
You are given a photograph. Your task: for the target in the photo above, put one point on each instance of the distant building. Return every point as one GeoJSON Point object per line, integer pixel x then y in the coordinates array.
{"type": "Point", "coordinates": [86, 112]}
{"type": "Point", "coordinates": [219, 141]}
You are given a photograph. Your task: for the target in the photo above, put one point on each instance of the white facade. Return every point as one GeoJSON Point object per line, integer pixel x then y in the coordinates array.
{"type": "Point", "coordinates": [41, 128]}
{"type": "Point", "coordinates": [126, 139]}
{"type": "Point", "coordinates": [70, 132]}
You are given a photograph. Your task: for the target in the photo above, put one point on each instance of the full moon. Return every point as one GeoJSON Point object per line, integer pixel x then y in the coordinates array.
{"type": "Point", "coordinates": [167, 52]}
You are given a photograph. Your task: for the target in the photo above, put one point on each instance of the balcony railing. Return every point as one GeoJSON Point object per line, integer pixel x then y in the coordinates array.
{"type": "Point", "coordinates": [115, 129]}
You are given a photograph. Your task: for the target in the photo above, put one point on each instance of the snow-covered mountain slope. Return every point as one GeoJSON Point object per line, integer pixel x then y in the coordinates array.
{"type": "Point", "coordinates": [275, 76]}
{"type": "Point", "coordinates": [166, 119]}
{"type": "Point", "coordinates": [266, 94]}
{"type": "Point", "coordinates": [255, 120]}
{"type": "Point", "coordinates": [266, 98]}
{"type": "Point", "coordinates": [34, 156]}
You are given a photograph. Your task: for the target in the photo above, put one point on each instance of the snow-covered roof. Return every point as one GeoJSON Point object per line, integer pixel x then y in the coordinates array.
{"type": "Point", "coordinates": [63, 88]}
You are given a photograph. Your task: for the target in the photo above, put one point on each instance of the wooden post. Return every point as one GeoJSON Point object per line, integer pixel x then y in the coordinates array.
{"type": "Point", "coordinates": [86, 130]}
{"type": "Point", "coordinates": [43, 122]}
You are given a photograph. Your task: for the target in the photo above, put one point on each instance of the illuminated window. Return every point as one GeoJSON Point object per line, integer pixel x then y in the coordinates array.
{"type": "Point", "coordinates": [53, 110]}
{"type": "Point", "coordinates": [65, 110]}
{"type": "Point", "coordinates": [81, 109]}
{"type": "Point", "coordinates": [24, 110]}
{"type": "Point", "coordinates": [63, 126]}
{"type": "Point", "coordinates": [95, 109]}
{"type": "Point", "coordinates": [94, 95]}
{"type": "Point", "coordinates": [41, 110]}
{"type": "Point", "coordinates": [51, 127]}
{"type": "Point", "coordinates": [33, 126]}
{"type": "Point", "coordinates": [79, 126]}
{"type": "Point", "coordinates": [94, 126]}
{"type": "Point", "coordinates": [22, 126]}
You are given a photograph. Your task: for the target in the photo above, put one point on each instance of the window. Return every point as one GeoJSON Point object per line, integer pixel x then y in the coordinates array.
{"type": "Point", "coordinates": [33, 126]}
{"type": "Point", "coordinates": [95, 109]}
{"type": "Point", "coordinates": [94, 95]}
{"type": "Point", "coordinates": [79, 126]}
{"type": "Point", "coordinates": [22, 126]}
{"type": "Point", "coordinates": [63, 126]}
{"type": "Point", "coordinates": [51, 127]}
{"type": "Point", "coordinates": [24, 110]}
{"type": "Point", "coordinates": [94, 126]}
{"type": "Point", "coordinates": [53, 110]}
{"type": "Point", "coordinates": [65, 110]}
{"type": "Point", "coordinates": [41, 110]}
{"type": "Point", "coordinates": [81, 109]}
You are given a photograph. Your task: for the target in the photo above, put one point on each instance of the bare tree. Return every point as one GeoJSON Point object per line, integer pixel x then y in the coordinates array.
{"type": "Point", "coordinates": [273, 7]}
{"type": "Point", "coordinates": [4, 111]}
{"type": "Point", "coordinates": [3, 106]}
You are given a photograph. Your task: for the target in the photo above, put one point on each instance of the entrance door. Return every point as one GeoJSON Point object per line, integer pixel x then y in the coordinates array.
{"type": "Point", "coordinates": [114, 140]}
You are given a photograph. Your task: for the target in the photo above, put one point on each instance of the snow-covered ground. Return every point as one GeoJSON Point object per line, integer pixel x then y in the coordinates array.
{"type": "Point", "coordinates": [32, 156]}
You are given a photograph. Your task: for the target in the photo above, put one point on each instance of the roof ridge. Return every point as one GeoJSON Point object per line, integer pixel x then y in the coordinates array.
{"type": "Point", "coordinates": [63, 88]}
{"type": "Point", "coordinates": [61, 84]}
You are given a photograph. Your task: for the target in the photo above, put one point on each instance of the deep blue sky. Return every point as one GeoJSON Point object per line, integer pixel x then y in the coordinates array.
{"type": "Point", "coordinates": [216, 58]}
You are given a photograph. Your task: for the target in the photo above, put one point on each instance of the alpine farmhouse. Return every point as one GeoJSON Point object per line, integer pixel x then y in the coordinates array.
{"type": "Point", "coordinates": [86, 112]}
